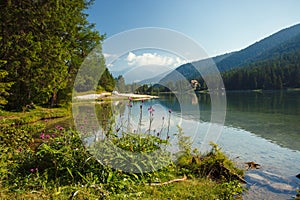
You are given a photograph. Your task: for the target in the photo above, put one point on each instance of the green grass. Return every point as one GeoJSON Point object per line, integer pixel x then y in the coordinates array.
{"type": "Point", "coordinates": [203, 188]}
{"type": "Point", "coordinates": [33, 115]}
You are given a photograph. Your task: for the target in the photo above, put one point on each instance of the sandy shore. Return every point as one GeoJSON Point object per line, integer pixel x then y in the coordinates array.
{"type": "Point", "coordinates": [118, 96]}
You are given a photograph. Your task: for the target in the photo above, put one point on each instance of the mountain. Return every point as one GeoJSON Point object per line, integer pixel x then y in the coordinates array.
{"type": "Point", "coordinates": [155, 79]}
{"type": "Point", "coordinates": [284, 41]}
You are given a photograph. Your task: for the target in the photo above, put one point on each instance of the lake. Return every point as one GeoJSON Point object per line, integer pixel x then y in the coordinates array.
{"type": "Point", "coordinates": [263, 127]}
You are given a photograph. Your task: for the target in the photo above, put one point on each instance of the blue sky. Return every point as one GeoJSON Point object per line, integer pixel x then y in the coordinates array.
{"type": "Point", "coordinates": [218, 26]}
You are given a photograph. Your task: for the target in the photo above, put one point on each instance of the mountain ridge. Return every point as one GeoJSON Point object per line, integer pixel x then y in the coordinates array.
{"type": "Point", "coordinates": [283, 41]}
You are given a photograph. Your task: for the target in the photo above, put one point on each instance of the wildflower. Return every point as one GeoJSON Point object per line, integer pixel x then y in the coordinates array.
{"type": "Point", "coordinates": [59, 127]}
{"type": "Point", "coordinates": [47, 136]}
{"type": "Point", "coordinates": [46, 120]}
{"type": "Point", "coordinates": [42, 136]}
{"type": "Point", "coordinates": [130, 98]}
{"type": "Point", "coordinates": [53, 135]}
{"type": "Point", "coordinates": [20, 149]}
{"type": "Point", "coordinates": [143, 100]}
{"type": "Point", "coordinates": [81, 127]}
{"type": "Point", "coordinates": [31, 170]}
{"type": "Point", "coordinates": [150, 109]}
{"type": "Point", "coordinates": [170, 111]}
{"type": "Point", "coordinates": [129, 105]}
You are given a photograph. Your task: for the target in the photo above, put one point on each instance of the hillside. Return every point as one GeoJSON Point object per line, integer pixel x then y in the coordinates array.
{"type": "Point", "coordinates": [285, 41]}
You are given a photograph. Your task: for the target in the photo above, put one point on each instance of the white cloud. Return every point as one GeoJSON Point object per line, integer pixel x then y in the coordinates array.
{"type": "Point", "coordinates": [107, 55]}
{"type": "Point", "coordinates": [153, 59]}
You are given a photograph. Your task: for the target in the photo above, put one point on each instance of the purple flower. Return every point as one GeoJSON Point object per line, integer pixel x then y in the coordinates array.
{"type": "Point", "coordinates": [130, 98]}
{"type": "Point", "coordinates": [53, 135]}
{"type": "Point", "coordinates": [46, 120]}
{"type": "Point", "coordinates": [31, 170]}
{"type": "Point", "coordinates": [47, 136]}
{"type": "Point", "coordinates": [42, 136]}
{"type": "Point", "coordinates": [170, 111]}
{"type": "Point", "coordinates": [150, 109]}
{"type": "Point", "coordinates": [59, 127]}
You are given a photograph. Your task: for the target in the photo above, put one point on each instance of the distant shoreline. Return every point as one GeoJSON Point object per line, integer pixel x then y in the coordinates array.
{"type": "Point", "coordinates": [107, 96]}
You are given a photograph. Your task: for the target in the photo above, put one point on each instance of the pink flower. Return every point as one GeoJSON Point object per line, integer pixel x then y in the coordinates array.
{"type": "Point", "coordinates": [170, 111]}
{"type": "Point", "coordinates": [53, 135]}
{"type": "Point", "coordinates": [150, 109]}
{"type": "Point", "coordinates": [130, 98]}
{"type": "Point", "coordinates": [59, 127]}
{"type": "Point", "coordinates": [47, 136]}
{"type": "Point", "coordinates": [42, 136]}
{"type": "Point", "coordinates": [31, 170]}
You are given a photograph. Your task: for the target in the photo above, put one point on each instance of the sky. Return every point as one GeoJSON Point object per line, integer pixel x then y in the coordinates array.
{"type": "Point", "coordinates": [218, 26]}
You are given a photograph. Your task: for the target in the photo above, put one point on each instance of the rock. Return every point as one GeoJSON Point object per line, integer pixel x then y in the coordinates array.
{"type": "Point", "coordinates": [252, 165]}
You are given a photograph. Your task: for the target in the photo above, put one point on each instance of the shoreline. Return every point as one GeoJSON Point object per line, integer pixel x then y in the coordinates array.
{"type": "Point", "coordinates": [107, 96]}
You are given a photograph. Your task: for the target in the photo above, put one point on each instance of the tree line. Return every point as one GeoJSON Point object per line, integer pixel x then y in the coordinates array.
{"type": "Point", "coordinates": [280, 72]}
{"type": "Point", "coordinates": [42, 45]}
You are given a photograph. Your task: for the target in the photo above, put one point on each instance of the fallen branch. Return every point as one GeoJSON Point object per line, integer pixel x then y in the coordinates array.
{"type": "Point", "coordinates": [241, 179]}
{"type": "Point", "coordinates": [168, 182]}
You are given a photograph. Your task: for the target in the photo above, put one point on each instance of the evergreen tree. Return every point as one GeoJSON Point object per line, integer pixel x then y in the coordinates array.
{"type": "Point", "coordinates": [44, 44]}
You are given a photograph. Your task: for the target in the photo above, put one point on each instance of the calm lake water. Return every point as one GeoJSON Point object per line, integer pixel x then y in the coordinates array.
{"type": "Point", "coordinates": [260, 127]}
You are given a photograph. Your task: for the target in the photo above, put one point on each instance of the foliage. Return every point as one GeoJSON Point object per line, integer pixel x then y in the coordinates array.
{"type": "Point", "coordinates": [44, 44]}
{"type": "Point", "coordinates": [277, 73]}
{"type": "Point", "coordinates": [60, 165]}
{"type": "Point", "coordinates": [4, 86]}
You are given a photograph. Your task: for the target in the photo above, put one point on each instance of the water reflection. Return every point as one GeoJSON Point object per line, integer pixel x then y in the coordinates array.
{"type": "Point", "coordinates": [271, 115]}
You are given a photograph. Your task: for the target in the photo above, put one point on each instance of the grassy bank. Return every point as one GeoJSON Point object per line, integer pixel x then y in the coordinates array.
{"type": "Point", "coordinates": [56, 165]}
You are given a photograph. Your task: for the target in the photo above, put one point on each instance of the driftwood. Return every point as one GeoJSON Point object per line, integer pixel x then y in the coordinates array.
{"type": "Point", "coordinates": [168, 182]}
{"type": "Point", "coordinates": [241, 179]}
